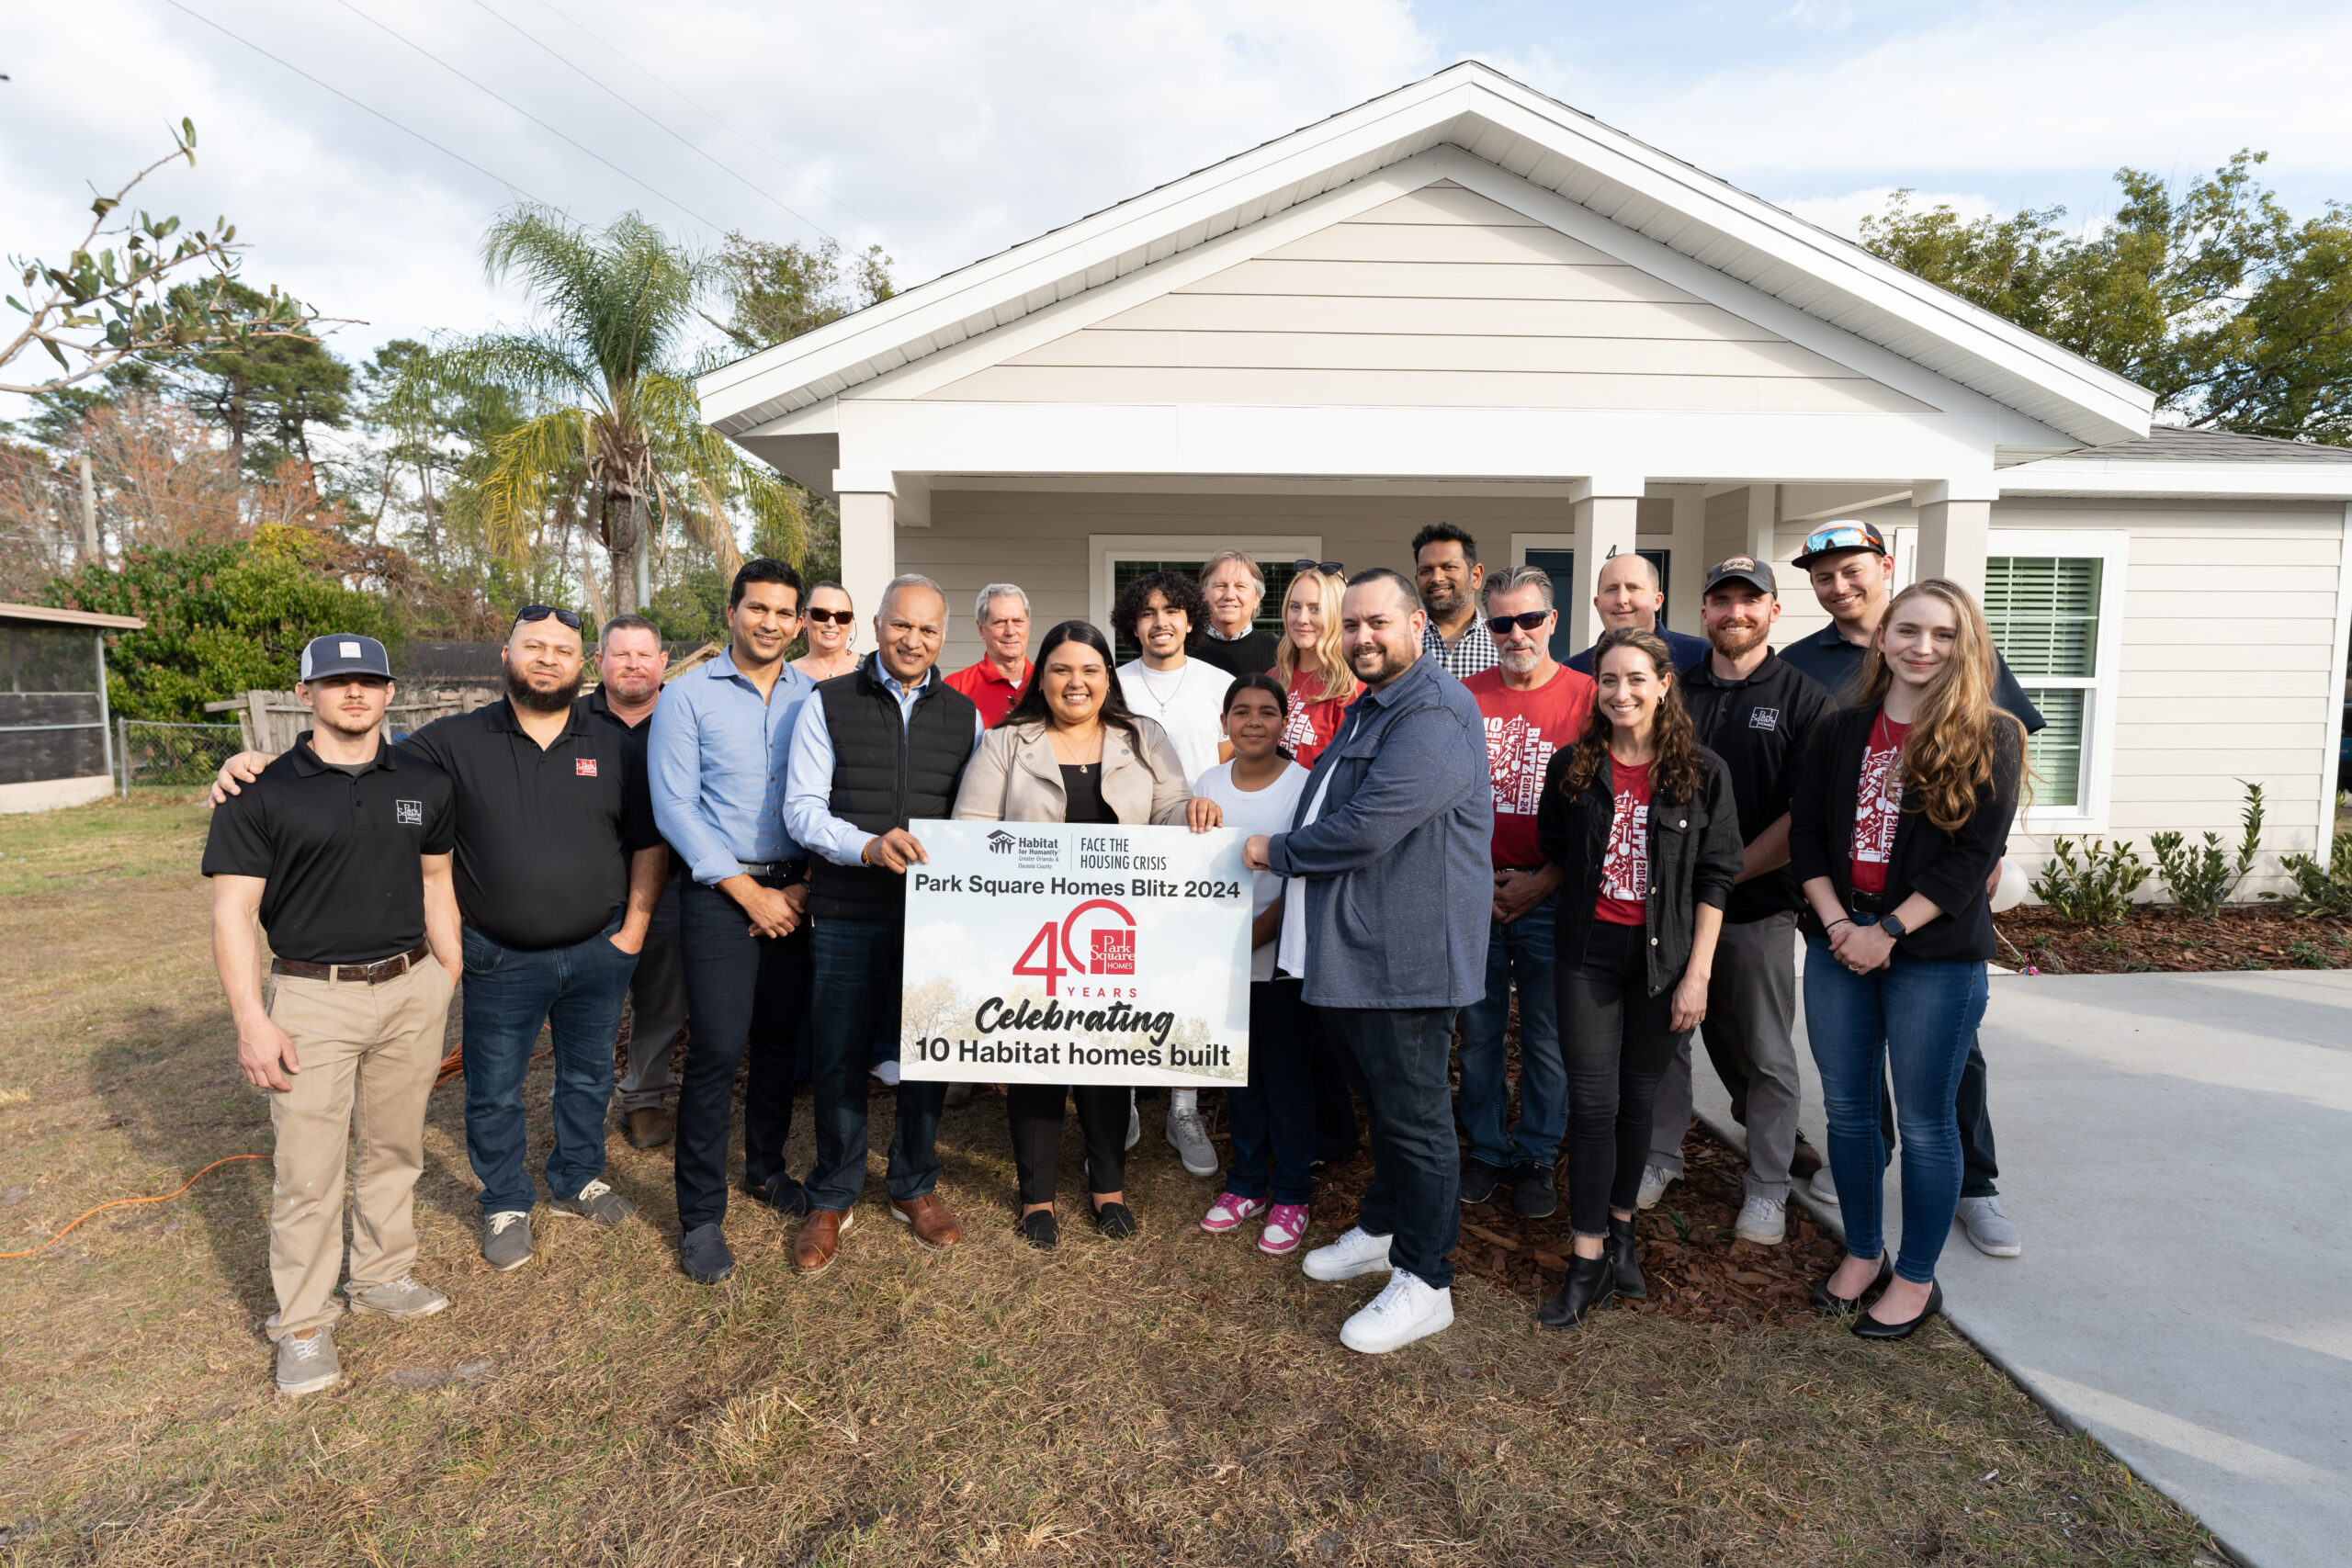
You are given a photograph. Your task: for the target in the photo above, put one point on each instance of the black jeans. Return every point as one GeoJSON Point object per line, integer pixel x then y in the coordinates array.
{"type": "Point", "coordinates": [1618, 1045]}
{"type": "Point", "coordinates": [1035, 1109]}
{"type": "Point", "coordinates": [1272, 1118]}
{"type": "Point", "coordinates": [1415, 1192]}
{"type": "Point", "coordinates": [740, 990]}
{"type": "Point", "coordinates": [1979, 1167]}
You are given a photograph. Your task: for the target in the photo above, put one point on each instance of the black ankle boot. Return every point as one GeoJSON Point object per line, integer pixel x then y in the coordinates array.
{"type": "Point", "coordinates": [1589, 1285]}
{"type": "Point", "coordinates": [1625, 1246]}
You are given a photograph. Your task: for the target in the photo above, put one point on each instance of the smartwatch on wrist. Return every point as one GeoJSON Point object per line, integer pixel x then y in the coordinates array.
{"type": "Point", "coordinates": [1891, 926]}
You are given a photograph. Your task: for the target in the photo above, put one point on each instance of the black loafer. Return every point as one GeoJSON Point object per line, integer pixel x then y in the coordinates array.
{"type": "Point", "coordinates": [1040, 1230]}
{"type": "Point", "coordinates": [1479, 1179]}
{"type": "Point", "coordinates": [1114, 1221]}
{"type": "Point", "coordinates": [783, 1194]}
{"type": "Point", "coordinates": [703, 1254]}
{"type": "Point", "coordinates": [1867, 1327]}
{"type": "Point", "coordinates": [1828, 1303]}
{"type": "Point", "coordinates": [1535, 1195]}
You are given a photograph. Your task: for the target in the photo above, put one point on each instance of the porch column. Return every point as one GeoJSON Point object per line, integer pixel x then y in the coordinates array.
{"type": "Point", "coordinates": [869, 541]}
{"type": "Point", "coordinates": [1603, 507]}
{"type": "Point", "coordinates": [1955, 519]}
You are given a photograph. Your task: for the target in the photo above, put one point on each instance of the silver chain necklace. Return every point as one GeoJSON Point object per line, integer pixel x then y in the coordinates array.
{"type": "Point", "coordinates": [1144, 673]}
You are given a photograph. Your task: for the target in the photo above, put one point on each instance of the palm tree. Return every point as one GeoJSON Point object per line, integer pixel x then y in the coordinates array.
{"type": "Point", "coordinates": [614, 425]}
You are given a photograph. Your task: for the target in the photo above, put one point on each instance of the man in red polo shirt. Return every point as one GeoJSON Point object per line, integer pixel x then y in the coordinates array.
{"type": "Point", "coordinates": [995, 683]}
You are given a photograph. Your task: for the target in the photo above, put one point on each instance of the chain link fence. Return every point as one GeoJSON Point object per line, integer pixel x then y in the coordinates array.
{"type": "Point", "coordinates": [151, 754]}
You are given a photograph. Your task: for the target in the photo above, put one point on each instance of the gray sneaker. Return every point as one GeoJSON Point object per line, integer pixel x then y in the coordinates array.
{"type": "Point", "coordinates": [506, 1239]}
{"type": "Point", "coordinates": [1824, 1188]}
{"type": "Point", "coordinates": [1994, 1233]}
{"type": "Point", "coordinates": [1655, 1180]}
{"type": "Point", "coordinates": [399, 1298]}
{"type": "Point", "coordinates": [959, 1094]}
{"type": "Point", "coordinates": [594, 1201]}
{"type": "Point", "coordinates": [1135, 1122]}
{"type": "Point", "coordinates": [1189, 1137]}
{"type": "Point", "coordinates": [306, 1366]}
{"type": "Point", "coordinates": [1763, 1221]}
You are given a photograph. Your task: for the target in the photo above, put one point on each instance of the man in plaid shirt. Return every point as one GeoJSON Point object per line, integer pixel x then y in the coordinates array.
{"type": "Point", "coordinates": [1446, 570]}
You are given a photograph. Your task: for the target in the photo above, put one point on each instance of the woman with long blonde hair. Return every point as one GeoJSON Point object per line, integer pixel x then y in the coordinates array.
{"type": "Point", "coordinates": [1900, 808]}
{"type": "Point", "coordinates": [1310, 664]}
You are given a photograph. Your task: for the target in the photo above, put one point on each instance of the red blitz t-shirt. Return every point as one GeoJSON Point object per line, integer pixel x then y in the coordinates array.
{"type": "Point", "coordinates": [1626, 864]}
{"type": "Point", "coordinates": [1309, 726]}
{"type": "Point", "coordinates": [990, 692]}
{"type": "Point", "coordinates": [1878, 803]}
{"type": "Point", "coordinates": [1524, 729]}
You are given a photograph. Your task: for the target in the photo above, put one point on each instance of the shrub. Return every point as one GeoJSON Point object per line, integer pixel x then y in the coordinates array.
{"type": "Point", "coordinates": [2201, 880]}
{"type": "Point", "coordinates": [2095, 890]}
{"type": "Point", "coordinates": [2320, 889]}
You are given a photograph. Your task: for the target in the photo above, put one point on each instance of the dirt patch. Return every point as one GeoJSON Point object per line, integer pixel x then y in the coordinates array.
{"type": "Point", "coordinates": [2159, 938]}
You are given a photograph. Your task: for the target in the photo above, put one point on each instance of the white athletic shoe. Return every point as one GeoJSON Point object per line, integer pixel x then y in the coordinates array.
{"type": "Point", "coordinates": [886, 1069]}
{"type": "Point", "coordinates": [1354, 1252]}
{"type": "Point", "coordinates": [1655, 1180]}
{"type": "Point", "coordinates": [1408, 1310]}
{"type": "Point", "coordinates": [1993, 1233]}
{"type": "Point", "coordinates": [1764, 1221]}
{"type": "Point", "coordinates": [1824, 1187]}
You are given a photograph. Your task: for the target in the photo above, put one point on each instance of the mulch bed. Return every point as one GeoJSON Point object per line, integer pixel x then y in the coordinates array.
{"type": "Point", "coordinates": [2161, 938]}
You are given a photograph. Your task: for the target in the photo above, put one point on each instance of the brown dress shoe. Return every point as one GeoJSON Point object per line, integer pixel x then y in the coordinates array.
{"type": "Point", "coordinates": [934, 1228]}
{"type": "Point", "coordinates": [650, 1128]}
{"type": "Point", "coordinates": [819, 1238]}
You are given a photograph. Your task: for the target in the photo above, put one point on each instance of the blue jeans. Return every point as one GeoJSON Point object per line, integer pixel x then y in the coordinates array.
{"type": "Point", "coordinates": [1273, 1119]}
{"type": "Point", "coordinates": [1520, 951]}
{"type": "Point", "coordinates": [1416, 1191]}
{"type": "Point", "coordinates": [1914, 1019]}
{"type": "Point", "coordinates": [742, 992]}
{"type": "Point", "coordinates": [854, 995]}
{"type": "Point", "coordinates": [577, 992]}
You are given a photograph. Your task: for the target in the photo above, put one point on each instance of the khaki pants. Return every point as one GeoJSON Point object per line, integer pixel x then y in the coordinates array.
{"type": "Point", "coordinates": [368, 1056]}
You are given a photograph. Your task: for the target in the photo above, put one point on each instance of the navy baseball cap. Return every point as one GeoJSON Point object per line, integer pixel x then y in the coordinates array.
{"type": "Point", "coordinates": [340, 653]}
{"type": "Point", "coordinates": [1740, 569]}
{"type": "Point", "coordinates": [1846, 534]}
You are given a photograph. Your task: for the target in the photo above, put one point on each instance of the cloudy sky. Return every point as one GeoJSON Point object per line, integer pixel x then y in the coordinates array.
{"type": "Point", "coordinates": [361, 145]}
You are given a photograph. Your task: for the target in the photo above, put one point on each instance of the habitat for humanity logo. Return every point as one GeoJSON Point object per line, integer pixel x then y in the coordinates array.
{"type": "Point", "coordinates": [1000, 842]}
{"type": "Point", "coordinates": [1030, 852]}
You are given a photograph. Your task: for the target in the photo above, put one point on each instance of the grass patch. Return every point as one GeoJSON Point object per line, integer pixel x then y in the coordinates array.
{"type": "Point", "coordinates": [50, 851]}
{"type": "Point", "coordinates": [1175, 1399]}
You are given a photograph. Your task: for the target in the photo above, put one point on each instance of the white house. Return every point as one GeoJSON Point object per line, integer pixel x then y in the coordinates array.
{"type": "Point", "coordinates": [1465, 302]}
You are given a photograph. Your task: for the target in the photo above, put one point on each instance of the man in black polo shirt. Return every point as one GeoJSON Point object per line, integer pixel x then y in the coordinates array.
{"type": "Point", "coordinates": [559, 862]}
{"type": "Point", "coordinates": [1853, 573]}
{"type": "Point", "coordinates": [1756, 712]}
{"type": "Point", "coordinates": [341, 848]}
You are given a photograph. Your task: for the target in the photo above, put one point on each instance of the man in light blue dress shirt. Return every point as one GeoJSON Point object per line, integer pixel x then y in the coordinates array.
{"type": "Point", "coordinates": [718, 755]}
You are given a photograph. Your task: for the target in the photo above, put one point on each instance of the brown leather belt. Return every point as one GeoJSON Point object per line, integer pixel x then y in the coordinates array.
{"type": "Point", "coordinates": [376, 974]}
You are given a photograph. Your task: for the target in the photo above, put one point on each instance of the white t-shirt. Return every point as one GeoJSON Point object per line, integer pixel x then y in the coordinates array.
{"type": "Point", "coordinates": [1293, 946]}
{"type": "Point", "coordinates": [1188, 702]}
{"type": "Point", "coordinates": [1267, 811]}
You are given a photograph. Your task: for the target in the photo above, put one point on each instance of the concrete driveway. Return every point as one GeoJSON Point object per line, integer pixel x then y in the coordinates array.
{"type": "Point", "coordinates": [2178, 1151]}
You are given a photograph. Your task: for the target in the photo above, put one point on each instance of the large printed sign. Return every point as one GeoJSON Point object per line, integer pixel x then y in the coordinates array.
{"type": "Point", "coordinates": [1038, 953]}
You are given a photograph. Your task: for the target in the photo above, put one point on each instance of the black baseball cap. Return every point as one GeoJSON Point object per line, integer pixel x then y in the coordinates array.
{"type": "Point", "coordinates": [1846, 534]}
{"type": "Point", "coordinates": [341, 653]}
{"type": "Point", "coordinates": [1740, 569]}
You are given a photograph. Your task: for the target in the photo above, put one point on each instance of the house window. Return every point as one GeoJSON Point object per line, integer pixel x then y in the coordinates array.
{"type": "Point", "coordinates": [1124, 570]}
{"type": "Point", "coordinates": [1118, 562]}
{"type": "Point", "coordinates": [1560, 566]}
{"type": "Point", "coordinates": [2054, 612]}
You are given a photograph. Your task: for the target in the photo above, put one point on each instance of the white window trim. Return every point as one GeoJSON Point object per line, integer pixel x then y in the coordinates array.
{"type": "Point", "coordinates": [2112, 546]}
{"type": "Point", "coordinates": [1671, 543]}
{"type": "Point", "coordinates": [1104, 551]}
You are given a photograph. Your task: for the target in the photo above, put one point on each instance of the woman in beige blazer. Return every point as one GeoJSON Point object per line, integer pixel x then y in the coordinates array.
{"type": "Point", "coordinates": [1070, 751]}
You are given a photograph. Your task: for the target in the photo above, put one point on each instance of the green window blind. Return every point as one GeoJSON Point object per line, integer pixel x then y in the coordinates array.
{"type": "Point", "coordinates": [2044, 613]}
{"type": "Point", "coordinates": [1269, 608]}
{"type": "Point", "coordinates": [2056, 750]}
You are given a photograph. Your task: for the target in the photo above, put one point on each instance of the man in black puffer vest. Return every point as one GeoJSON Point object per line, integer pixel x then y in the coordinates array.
{"type": "Point", "coordinates": [875, 750]}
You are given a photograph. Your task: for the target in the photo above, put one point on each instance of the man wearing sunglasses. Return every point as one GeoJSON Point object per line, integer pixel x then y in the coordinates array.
{"type": "Point", "coordinates": [1534, 706]}
{"type": "Point", "coordinates": [559, 862]}
{"type": "Point", "coordinates": [1853, 573]}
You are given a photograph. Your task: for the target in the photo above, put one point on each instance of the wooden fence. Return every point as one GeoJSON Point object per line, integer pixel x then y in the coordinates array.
{"type": "Point", "coordinates": [271, 720]}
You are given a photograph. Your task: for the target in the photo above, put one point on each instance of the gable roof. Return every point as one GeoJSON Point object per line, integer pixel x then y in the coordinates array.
{"type": "Point", "coordinates": [2178, 444]}
{"type": "Point", "coordinates": [1487, 114]}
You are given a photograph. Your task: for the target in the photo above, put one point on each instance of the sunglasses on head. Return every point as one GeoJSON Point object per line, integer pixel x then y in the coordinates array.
{"type": "Point", "coordinates": [1327, 568]}
{"type": "Point", "coordinates": [541, 612]}
{"type": "Point", "coordinates": [832, 618]}
{"type": "Point", "coordinates": [1838, 537]}
{"type": "Point", "coordinates": [1527, 619]}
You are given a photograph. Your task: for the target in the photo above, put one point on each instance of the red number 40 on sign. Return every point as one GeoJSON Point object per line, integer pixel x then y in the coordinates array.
{"type": "Point", "coordinates": [1054, 951]}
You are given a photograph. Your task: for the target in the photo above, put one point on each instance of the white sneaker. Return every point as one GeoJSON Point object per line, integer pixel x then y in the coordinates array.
{"type": "Point", "coordinates": [886, 1069]}
{"type": "Point", "coordinates": [1764, 1221]}
{"type": "Point", "coordinates": [1354, 1252]}
{"type": "Point", "coordinates": [1993, 1232]}
{"type": "Point", "coordinates": [1824, 1187]}
{"type": "Point", "coordinates": [1655, 1180]}
{"type": "Point", "coordinates": [1408, 1310]}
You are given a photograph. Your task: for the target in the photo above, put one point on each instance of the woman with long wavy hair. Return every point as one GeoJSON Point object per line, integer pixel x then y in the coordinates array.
{"type": "Point", "coordinates": [1639, 817]}
{"type": "Point", "coordinates": [1310, 664]}
{"type": "Point", "coordinates": [1900, 807]}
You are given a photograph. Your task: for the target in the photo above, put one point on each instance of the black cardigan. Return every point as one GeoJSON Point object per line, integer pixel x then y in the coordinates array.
{"type": "Point", "coordinates": [1695, 856]}
{"type": "Point", "coordinates": [1948, 869]}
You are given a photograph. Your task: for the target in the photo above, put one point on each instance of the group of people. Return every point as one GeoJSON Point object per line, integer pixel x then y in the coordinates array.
{"type": "Point", "coordinates": [1439, 815]}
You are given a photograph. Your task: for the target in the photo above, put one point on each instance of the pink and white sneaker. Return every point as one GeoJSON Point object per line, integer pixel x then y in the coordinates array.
{"type": "Point", "coordinates": [1228, 1211]}
{"type": "Point", "coordinates": [1285, 1228]}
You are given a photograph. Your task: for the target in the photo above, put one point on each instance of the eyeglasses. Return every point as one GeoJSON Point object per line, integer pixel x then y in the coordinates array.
{"type": "Point", "coordinates": [541, 612]}
{"type": "Point", "coordinates": [1526, 619]}
{"type": "Point", "coordinates": [1327, 568]}
{"type": "Point", "coordinates": [832, 618]}
{"type": "Point", "coordinates": [1841, 537]}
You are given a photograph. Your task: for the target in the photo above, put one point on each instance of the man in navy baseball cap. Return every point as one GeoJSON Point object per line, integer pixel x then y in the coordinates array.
{"type": "Point", "coordinates": [341, 653]}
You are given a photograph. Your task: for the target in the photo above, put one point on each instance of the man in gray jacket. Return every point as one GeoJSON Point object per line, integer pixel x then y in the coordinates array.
{"type": "Point", "coordinates": [1385, 920]}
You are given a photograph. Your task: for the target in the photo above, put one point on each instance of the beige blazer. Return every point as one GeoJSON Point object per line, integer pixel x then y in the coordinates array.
{"type": "Point", "coordinates": [1014, 778]}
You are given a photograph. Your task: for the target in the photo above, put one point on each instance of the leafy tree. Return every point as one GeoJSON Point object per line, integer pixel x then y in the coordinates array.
{"type": "Point", "coordinates": [2213, 297]}
{"type": "Point", "coordinates": [221, 618]}
{"type": "Point", "coordinates": [781, 291]}
{"type": "Point", "coordinates": [267, 397]}
{"type": "Point", "coordinates": [428, 434]}
{"type": "Point", "coordinates": [613, 433]}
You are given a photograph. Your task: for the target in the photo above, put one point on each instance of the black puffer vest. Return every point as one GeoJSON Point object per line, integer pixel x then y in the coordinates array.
{"type": "Point", "coordinates": [886, 774]}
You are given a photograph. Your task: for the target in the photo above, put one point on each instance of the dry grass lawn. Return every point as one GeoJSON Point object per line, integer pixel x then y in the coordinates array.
{"type": "Point", "coordinates": [1177, 1399]}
